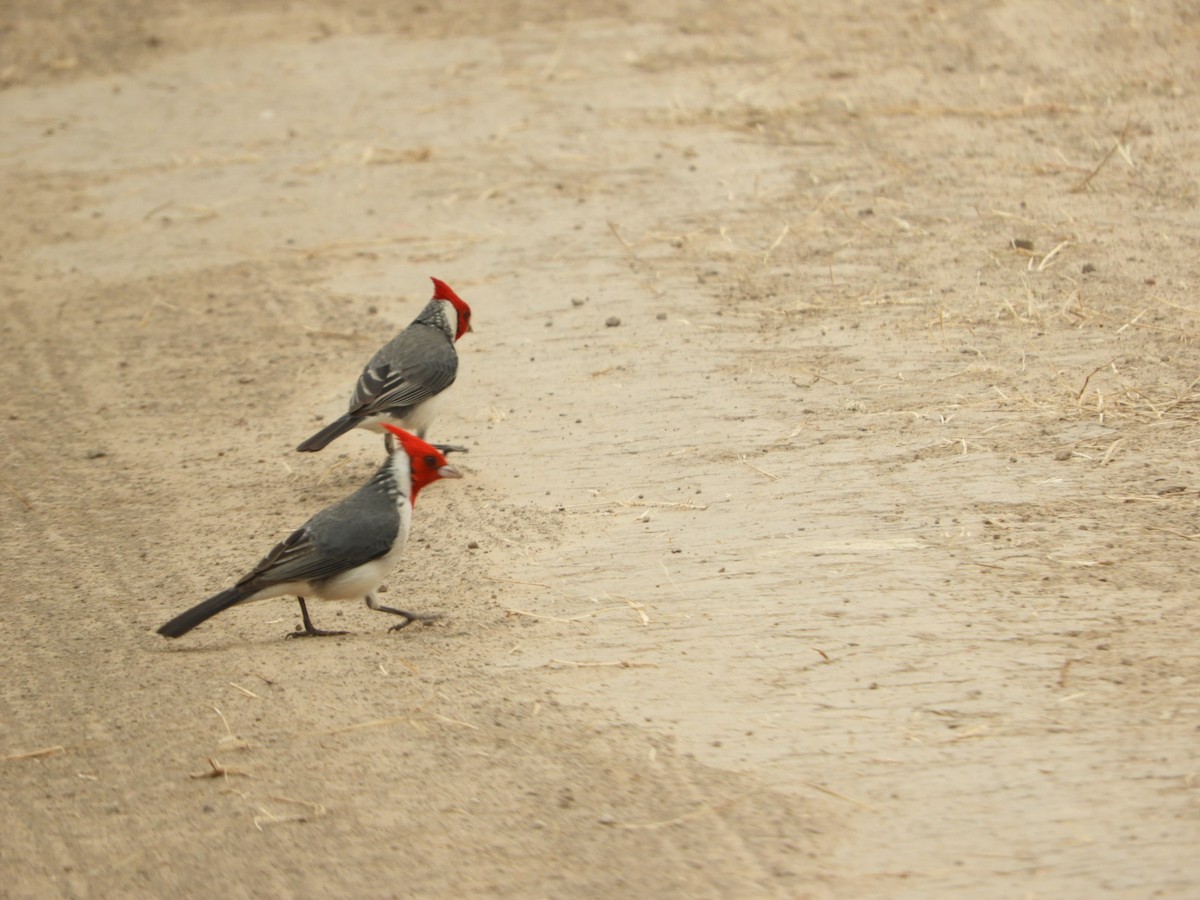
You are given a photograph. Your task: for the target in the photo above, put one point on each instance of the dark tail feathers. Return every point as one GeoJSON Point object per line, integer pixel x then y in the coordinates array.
{"type": "Point", "coordinates": [329, 433]}
{"type": "Point", "coordinates": [202, 612]}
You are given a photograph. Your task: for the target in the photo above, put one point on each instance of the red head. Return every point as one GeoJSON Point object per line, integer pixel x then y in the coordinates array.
{"type": "Point", "coordinates": [426, 462]}
{"type": "Point", "coordinates": [443, 291]}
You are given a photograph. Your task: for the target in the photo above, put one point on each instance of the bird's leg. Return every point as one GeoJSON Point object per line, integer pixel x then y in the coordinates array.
{"type": "Point", "coordinates": [409, 617]}
{"type": "Point", "coordinates": [389, 443]}
{"type": "Point", "coordinates": [309, 630]}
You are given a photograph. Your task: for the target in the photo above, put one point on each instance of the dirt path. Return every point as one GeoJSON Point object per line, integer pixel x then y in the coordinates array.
{"type": "Point", "coordinates": [855, 561]}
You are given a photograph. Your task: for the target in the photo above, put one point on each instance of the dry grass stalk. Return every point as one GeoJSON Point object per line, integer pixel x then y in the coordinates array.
{"type": "Point", "coordinates": [1083, 389]}
{"type": "Point", "coordinates": [329, 472]}
{"type": "Point", "coordinates": [556, 57]}
{"type": "Point", "coordinates": [373, 155]}
{"type": "Point", "coordinates": [160, 208]}
{"type": "Point", "coordinates": [35, 754]}
{"type": "Point", "coordinates": [154, 304]}
{"type": "Point", "coordinates": [975, 112]}
{"type": "Point", "coordinates": [372, 723]}
{"type": "Point", "coordinates": [246, 691]}
{"type": "Point", "coordinates": [21, 497]}
{"type": "Point", "coordinates": [833, 793]}
{"type": "Point", "coordinates": [1112, 449]}
{"type": "Point", "coordinates": [1182, 534]}
{"type": "Point", "coordinates": [679, 506]}
{"type": "Point", "coordinates": [612, 226]}
{"type": "Point", "coordinates": [459, 722]}
{"type": "Point", "coordinates": [269, 818]}
{"type": "Point", "coordinates": [638, 608]}
{"type": "Point", "coordinates": [230, 738]}
{"type": "Point", "coordinates": [217, 770]}
{"type": "Point", "coordinates": [1064, 672]}
{"type": "Point", "coordinates": [630, 604]}
{"type": "Point", "coordinates": [532, 615]}
{"type": "Point", "coordinates": [1133, 321]}
{"type": "Point", "coordinates": [619, 664]}
{"type": "Point", "coordinates": [751, 465]}
{"type": "Point", "coordinates": [977, 731]}
{"type": "Point", "coordinates": [1050, 256]}
{"type": "Point", "coordinates": [779, 240]}
{"type": "Point", "coordinates": [699, 811]}
{"type": "Point", "coordinates": [1118, 145]}
{"type": "Point", "coordinates": [517, 581]}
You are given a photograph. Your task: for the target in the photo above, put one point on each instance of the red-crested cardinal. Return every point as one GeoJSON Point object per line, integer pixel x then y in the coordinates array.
{"type": "Point", "coordinates": [343, 552]}
{"type": "Point", "coordinates": [402, 380]}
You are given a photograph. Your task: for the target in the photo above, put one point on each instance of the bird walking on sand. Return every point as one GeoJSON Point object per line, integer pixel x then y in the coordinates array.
{"type": "Point", "coordinates": [404, 380]}
{"type": "Point", "coordinates": [346, 550]}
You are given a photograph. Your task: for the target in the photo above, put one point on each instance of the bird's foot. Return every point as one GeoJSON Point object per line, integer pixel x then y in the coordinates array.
{"type": "Point", "coordinates": [313, 632]}
{"type": "Point", "coordinates": [309, 629]}
{"type": "Point", "coordinates": [409, 618]}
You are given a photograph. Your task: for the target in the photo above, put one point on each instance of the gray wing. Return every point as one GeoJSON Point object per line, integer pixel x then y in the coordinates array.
{"type": "Point", "coordinates": [338, 538]}
{"type": "Point", "coordinates": [410, 369]}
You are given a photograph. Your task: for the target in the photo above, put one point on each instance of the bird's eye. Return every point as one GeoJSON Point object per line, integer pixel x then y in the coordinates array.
{"type": "Point", "coordinates": [431, 461]}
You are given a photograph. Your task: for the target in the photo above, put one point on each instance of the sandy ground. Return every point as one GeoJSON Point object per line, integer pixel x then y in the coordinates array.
{"type": "Point", "coordinates": [857, 560]}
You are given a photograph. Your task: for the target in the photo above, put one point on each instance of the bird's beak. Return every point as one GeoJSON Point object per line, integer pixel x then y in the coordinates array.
{"type": "Point", "coordinates": [449, 472]}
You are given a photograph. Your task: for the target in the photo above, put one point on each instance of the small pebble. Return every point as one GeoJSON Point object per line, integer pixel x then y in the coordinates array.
{"type": "Point", "coordinates": [612, 321]}
{"type": "Point", "coordinates": [577, 301]}
{"type": "Point", "coordinates": [662, 317]}
{"type": "Point", "coordinates": [1063, 455]}
{"type": "Point", "coordinates": [96, 454]}
{"type": "Point", "coordinates": [607, 819]}
{"type": "Point", "coordinates": [472, 545]}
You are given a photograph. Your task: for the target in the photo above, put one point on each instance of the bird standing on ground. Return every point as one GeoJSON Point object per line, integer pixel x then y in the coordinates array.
{"type": "Point", "coordinates": [404, 378]}
{"type": "Point", "coordinates": [343, 552]}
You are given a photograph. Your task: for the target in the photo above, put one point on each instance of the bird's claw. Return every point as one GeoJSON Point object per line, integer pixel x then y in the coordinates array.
{"type": "Point", "coordinates": [313, 632]}
{"type": "Point", "coordinates": [409, 618]}
{"type": "Point", "coordinates": [310, 630]}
